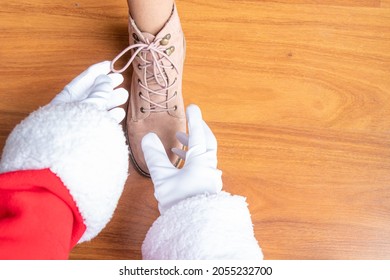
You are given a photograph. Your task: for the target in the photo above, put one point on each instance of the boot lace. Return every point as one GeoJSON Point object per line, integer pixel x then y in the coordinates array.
{"type": "Point", "coordinates": [154, 74]}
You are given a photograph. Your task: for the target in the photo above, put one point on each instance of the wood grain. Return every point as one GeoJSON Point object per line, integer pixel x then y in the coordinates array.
{"type": "Point", "coordinates": [385, 3]}
{"type": "Point", "coordinates": [297, 93]}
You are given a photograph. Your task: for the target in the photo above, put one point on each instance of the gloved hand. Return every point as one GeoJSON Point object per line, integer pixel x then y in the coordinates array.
{"type": "Point", "coordinates": [199, 174]}
{"type": "Point", "coordinates": [96, 86]}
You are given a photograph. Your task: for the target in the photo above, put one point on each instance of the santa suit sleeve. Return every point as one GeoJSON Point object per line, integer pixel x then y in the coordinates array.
{"type": "Point", "coordinates": [204, 227]}
{"type": "Point", "coordinates": [62, 172]}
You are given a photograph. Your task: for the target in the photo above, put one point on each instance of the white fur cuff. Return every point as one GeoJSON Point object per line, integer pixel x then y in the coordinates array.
{"type": "Point", "coordinates": [84, 146]}
{"type": "Point", "coordinates": [203, 227]}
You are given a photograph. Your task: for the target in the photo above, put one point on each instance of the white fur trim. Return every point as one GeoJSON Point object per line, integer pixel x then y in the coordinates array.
{"type": "Point", "coordinates": [203, 227]}
{"type": "Point", "coordinates": [84, 146]}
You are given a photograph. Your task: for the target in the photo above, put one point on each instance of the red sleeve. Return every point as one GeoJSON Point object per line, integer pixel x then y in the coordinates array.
{"type": "Point", "coordinates": [38, 217]}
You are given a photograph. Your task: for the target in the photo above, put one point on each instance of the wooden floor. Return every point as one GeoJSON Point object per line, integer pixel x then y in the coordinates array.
{"type": "Point", "coordinates": [297, 93]}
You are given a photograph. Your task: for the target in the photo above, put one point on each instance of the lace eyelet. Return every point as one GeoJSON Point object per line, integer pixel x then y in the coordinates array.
{"type": "Point", "coordinates": [174, 108]}
{"type": "Point", "coordinates": [142, 110]}
{"type": "Point", "coordinates": [170, 50]}
{"type": "Point", "coordinates": [140, 94]}
{"type": "Point", "coordinates": [165, 40]}
{"type": "Point", "coordinates": [139, 66]}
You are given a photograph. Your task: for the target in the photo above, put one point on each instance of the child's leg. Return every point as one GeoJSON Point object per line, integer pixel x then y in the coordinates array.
{"type": "Point", "coordinates": [150, 15]}
{"type": "Point", "coordinates": [156, 51]}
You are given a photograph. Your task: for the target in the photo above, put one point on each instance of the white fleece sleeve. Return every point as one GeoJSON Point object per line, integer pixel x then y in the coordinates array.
{"type": "Point", "coordinates": [204, 227]}
{"type": "Point", "coordinates": [83, 146]}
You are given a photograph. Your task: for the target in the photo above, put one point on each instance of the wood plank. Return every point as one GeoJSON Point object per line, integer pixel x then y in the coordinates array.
{"type": "Point", "coordinates": [385, 3]}
{"type": "Point", "coordinates": [348, 3]}
{"type": "Point", "coordinates": [297, 93]}
{"type": "Point", "coordinates": [281, 57]}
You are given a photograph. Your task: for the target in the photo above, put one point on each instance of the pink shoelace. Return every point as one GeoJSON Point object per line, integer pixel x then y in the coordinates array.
{"type": "Point", "coordinates": [154, 73]}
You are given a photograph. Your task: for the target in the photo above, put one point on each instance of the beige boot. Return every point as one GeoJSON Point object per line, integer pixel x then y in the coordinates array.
{"type": "Point", "coordinates": [156, 101]}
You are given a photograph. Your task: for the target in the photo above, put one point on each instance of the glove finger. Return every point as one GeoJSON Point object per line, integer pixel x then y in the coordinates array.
{"type": "Point", "coordinates": [116, 78]}
{"type": "Point", "coordinates": [155, 156]}
{"type": "Point", "coordinates": [195, 128]}
{"type": "Point", "coordinates": [117, 97]}
{"type": "Point", "coordinates": [87, 78]}
{"type": "Point", "coordinates": [99, 101]}
{"type": "Point", "coordinates": [103, 83]}
{"type": "Point", "coordinates": [211, 141]}
{"type": "Point", "coordinates": [108, 100]}
{"type": "Point", "coordinates": [182, 137]}
{"type": "Point", "coordinates": [118, 114]}
{"type": "Point", "coordinates": [79, 88]}
{"type": "Point", "coordinates": [180, 153]}
{"type": "Point", "coordinates": [99, 69]}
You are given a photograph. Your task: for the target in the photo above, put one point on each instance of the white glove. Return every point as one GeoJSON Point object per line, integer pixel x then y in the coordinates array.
{"type": "Point", "coordinates": [199, 174]}
{"type": "Point", "coordinates": [96, 86]}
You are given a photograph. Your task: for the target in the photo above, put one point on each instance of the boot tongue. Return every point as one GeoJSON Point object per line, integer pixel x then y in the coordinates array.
{"type": "Point", "coordinates": [148, 37]}
{"type": "Point", "coordinates": [152, 83]}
